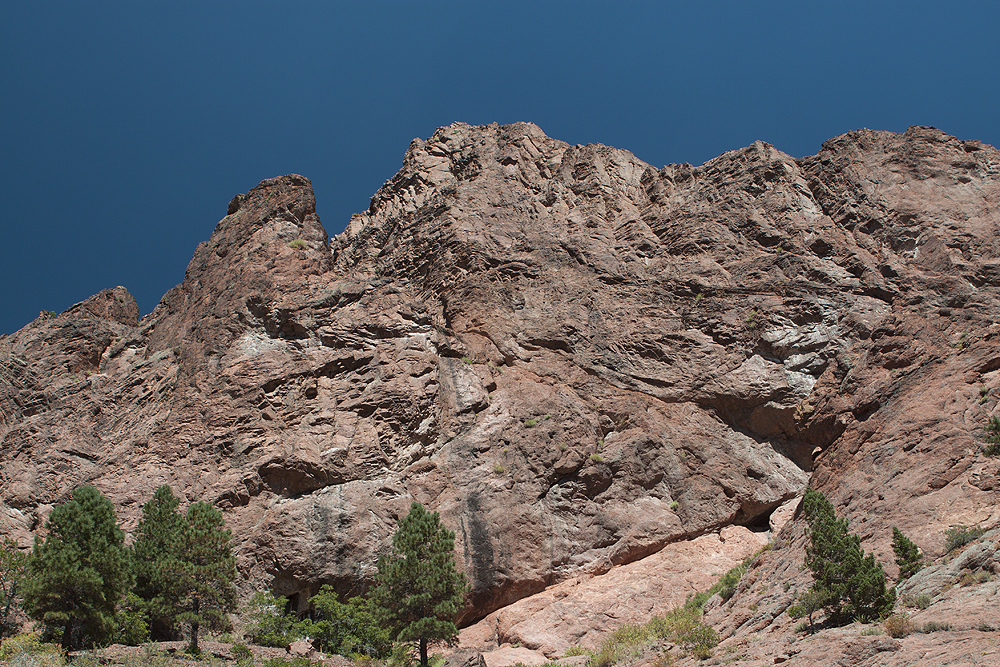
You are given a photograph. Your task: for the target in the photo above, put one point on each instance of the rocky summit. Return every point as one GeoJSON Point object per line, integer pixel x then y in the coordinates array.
{"type": "Point", "coordinates": [613, 381]}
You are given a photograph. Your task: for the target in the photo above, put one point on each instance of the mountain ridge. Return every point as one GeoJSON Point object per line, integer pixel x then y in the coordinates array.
{"type": "Point", "coordinates": [552, 345]}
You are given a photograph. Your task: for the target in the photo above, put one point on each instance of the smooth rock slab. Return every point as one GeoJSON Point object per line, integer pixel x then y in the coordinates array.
{"type": "Point", "coordinates": [579, 612]}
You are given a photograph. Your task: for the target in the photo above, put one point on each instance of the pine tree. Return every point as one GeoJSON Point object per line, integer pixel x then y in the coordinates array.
{"type": "Point", "coordinates": [867, 595]}
{"type": "Point", "coordinates": [80, 571]}
{"type": "Point", "coordinates": [849, 583]}
{"type": "Point", "coordinates": [198, 571]}
{"type": "Point", "coordinates": [417, 584]}
{"type": "Point", "coordinates": [160, 527]}
{"type": "Point", "coordinates": [826, 555]}
{"type": "Point", "coordinates": [13, 570]}
{"type": "Point", "coordinates": [908, 556]}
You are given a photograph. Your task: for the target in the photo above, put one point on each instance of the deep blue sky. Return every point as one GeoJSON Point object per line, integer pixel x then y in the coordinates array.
{"type": "Point", "coordinates": [128, 126]}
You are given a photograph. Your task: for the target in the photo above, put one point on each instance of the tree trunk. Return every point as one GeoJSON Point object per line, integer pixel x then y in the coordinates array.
{"type": "Point", "coordinates": [423, 652]}
{"type": "Point", "coordinates": [193, 649]}
{"type": "Point", "coordinates": [67, 638]}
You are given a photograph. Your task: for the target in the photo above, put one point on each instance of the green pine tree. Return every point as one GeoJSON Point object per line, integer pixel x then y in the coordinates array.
{"type": "Point", "coordinates": [160, 527]}
{"type": "Point", "coordinates": [13, 570]}
{"type": "Point", "coordinates": [908, 556]}
{"type": "Point", "coordinates": [867, 595]}
{"type": "Point", "coordinates": [80, 572]}
{"type": "Point", "coordinates": [850, 584]}
{"type": "Point", "coordinates": [198, 571]}
{"type": "Point", "coordinates": [826, 554]}
{"type": "Point", "coordinates": [418, 585]}
{"type": "Point", "coordinates": [992, 436]}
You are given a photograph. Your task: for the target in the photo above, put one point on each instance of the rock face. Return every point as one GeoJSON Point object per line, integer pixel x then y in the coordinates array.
{"type": "Point", "coordinates": [575, 357]}
{"type": "Point", "coordinates": [579, 611]}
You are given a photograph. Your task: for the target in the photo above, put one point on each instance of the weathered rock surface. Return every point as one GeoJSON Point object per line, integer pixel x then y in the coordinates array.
{"type": "Point", "coordinates": [575, 357]}
{"type": "Point", "coordinates": [580, 611]}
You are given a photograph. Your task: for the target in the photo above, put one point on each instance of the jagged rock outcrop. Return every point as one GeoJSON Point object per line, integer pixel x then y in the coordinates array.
{"type": "Point", "coordinates": [575, 357]}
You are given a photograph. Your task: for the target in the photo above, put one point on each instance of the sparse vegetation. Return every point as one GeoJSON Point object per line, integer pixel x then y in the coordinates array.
{"type": "Point", "coordinates": [727, 583]}
{"type": "Point", "coordinates": [241, 654]}
{"type": "Point", "coordinates": [960, 535]}
{"type": "Point", "coordinates": [298, 244]}
{"type": "Point", "coordinates": [299, 661]}
{"type": "Point", "coordinates": [974, 578]}
{"type": "Point", "coordinates": [28, 650]}
{"type": "Point", "coordinates": [898, 626]}
{"type": "Point", "coordinates": [674, 505]}
{"type": "Point", "coordinates": [596, 458]}
{"type": "Point", "coordinates": [682, 625]}
{"type": "Point", "coordinates": [934, 626]}
{"type": "Point", "coordinates": [499, 469]}
{"type": "Point", "coordinates": [530, 422]}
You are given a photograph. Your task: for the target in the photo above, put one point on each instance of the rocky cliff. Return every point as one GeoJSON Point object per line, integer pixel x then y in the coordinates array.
{"type": "Point", "coordinates": [580, 360]}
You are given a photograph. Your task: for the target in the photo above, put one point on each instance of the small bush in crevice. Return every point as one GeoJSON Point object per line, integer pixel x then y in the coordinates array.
{"type": "Point", "coordinates": [934, 626]}
{"type": "Point", "coordinates": [699, 640]}
{"type": "Point", "coordinates": [974, 578]}
{"type": "Point", "coordinates": [960, 535]}
{"type": "Point", "coordinates": [727, 583]}
{"type": "Point", "coordinates": [898, 626]}
{"type": "Point", "coordinates": [625, 643]}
